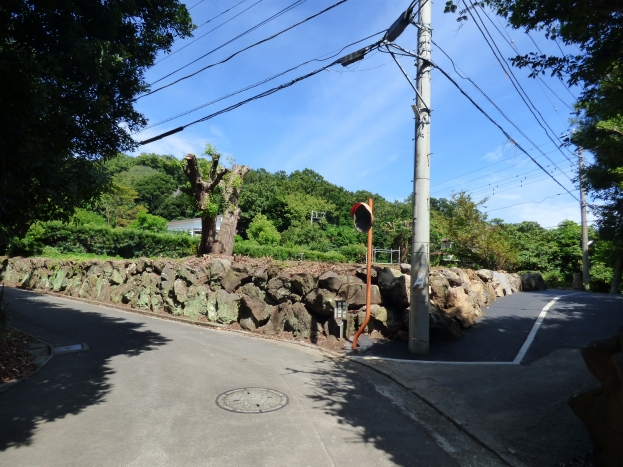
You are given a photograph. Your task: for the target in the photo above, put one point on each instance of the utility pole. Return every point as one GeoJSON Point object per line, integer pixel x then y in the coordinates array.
{"type": "Point", "coordinates": [586, 278]}
{"type": "Point", "coordinates": [418, 312]}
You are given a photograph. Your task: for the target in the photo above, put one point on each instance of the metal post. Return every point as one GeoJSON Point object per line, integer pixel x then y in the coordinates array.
{"type": "Point", "coordinates": [368, 283]}
{"type": "Point", "coordinates": [586, 278]}
{"type": "Point", "coordinates": [418, 313]}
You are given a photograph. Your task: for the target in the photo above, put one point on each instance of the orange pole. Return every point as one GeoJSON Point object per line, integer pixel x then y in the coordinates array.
{"type": "Point", "coordinates": [368, 284]}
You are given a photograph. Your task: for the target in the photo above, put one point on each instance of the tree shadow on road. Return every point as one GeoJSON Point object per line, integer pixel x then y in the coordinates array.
{"type": "Point", "coordinates": [69, 383]}
{"type": "Point", "coordinates": [343, 392]}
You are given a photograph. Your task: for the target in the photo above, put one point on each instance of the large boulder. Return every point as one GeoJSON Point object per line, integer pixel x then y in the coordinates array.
{"type": "Point", "coordinates": [61, 278]}
{"type": "Point", "coordinates": [502, 278]}
{"type": "Point", "coordinates": [442, 324]}
{"type": "Point", "coordinates": [278, 288]}
{"type": "Point", "coordinates": [321, 301]}
{"type": "Point", "coordinates": [532, 282]}
{"type": "Point", "coordinates": [439, 286]}
{"type": "Point", "coordinates": [355, 295]}
{"type": "Point", "coordinates": [515, 282]}
{"type": "Point", "coordinates": [395, 287]}
{"type": "Point", "coordinates": [330, 281]}
{"type": "Point", "coordinates": [223, 307]}
{"type": "Point", "coordinates": [453, 278]}
{"type": "Point", "coordinates": [485, 275]}
{"type": "Point", "coordinates": [301, 323]}
{"type": "Point", "coordinates": [253, 312]}
{"type": "Point", "coordinates": [303, 283]}
{"type": "Point", "coordinates": [478, 293]}
{"type": "Point", "coordinates": [196, 301]}
{"type": "Point", "coordinates": [462, 307]}
{"type": "Point", "coordinates": [277, 319]}
{"type": "Point", "coordinates": [217, 269]}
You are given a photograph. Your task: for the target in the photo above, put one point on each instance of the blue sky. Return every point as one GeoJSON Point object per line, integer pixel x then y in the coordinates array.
{"type": "Point", "coordinates": [355, 125]}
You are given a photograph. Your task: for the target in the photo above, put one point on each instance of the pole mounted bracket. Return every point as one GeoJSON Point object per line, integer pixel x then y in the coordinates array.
{"type": "Point", "coordinates": [398, 27]}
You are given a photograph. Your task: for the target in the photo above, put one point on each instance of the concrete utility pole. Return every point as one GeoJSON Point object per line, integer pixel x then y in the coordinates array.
{"type": "Point", "coordinates": [586, 278]}
{"type": "Point", "coordinates": [418, 313]}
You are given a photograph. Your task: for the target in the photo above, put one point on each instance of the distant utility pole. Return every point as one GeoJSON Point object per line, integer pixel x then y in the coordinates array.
{"type": "Point", "coordinates": [586, 278]}
{"type": "Point", "coordinates": [418, 313]}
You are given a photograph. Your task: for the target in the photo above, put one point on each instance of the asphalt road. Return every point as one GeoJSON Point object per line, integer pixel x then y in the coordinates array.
{"type": "Point", "coordinates": [144, 395]}
{"type": "Point", "coordinates": [573, 321]}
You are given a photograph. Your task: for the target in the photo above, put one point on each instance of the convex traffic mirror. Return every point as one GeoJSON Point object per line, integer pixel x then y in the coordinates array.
{"type": "Point", "coordinates": [362, 216]}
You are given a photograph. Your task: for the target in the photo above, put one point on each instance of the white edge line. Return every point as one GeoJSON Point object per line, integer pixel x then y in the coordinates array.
{"type": "Point", "coordinates": [535, 328]}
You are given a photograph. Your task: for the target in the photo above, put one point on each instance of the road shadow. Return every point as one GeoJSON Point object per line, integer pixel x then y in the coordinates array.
{"type": "Point", "coordinates": [574, 321]}
{"type": "Point", "coordinates": [342, 392]}
{"type": "Point", "coordinates": [69, 383]}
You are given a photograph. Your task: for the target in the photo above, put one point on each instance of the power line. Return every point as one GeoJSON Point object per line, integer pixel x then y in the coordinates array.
{"type": "Point", "coordinates": [514, 81]}
{"type": "Point", "coordinates": [493, 103]}
{"type": "Point", "coordinates": [412, 54]}
{"type": "Point", "coordinates": [511, 43]}
{"type": "Point", "coordinates": [509, 185]}
{"type": "Point", "coordinates": [250, 99]}
{"type": "Point", "coordinates": [260, 24]}
{"type": "Point", "coordinates": [488, 175]}
{"type": "Point", "coordinates": [213, 29]}
{"type": "Point", "coordinates": [259, 83]}
{"type": "Point", "coordinates": [525, 202]}
{"type": "Point", "coordinates": [494, 163]}
{"type": "Point", "coordinates": [199, 2]}
{"type": "Point", "coordinates": [241, 50]}
{"type": "Point", "coordinates": [559, 78]}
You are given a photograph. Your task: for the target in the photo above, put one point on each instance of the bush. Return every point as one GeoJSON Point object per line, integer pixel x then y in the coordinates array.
{"type": "Point", "coordinates": [555, 279]}
{"type": "Point", "coordinates": [354, 253]}
{"type": "Point", "coordinates": [149, 222]}
{"type": "Point", "coordinates": [262, 231]}
{"type": "Point", "coordinates": [125, 243]}
{"type": "Point", "coordinates": [254, 250]}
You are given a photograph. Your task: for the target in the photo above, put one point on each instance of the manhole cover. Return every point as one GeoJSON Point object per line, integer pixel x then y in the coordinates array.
{"type": "Point", "coordinates": [252, 400]}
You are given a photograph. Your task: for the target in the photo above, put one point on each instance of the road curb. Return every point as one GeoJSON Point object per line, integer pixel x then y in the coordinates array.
{"type": "Point", "coordinates": [481, 437]}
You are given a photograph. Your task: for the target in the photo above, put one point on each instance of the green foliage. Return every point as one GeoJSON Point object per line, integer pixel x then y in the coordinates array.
{"type": "Point", "coordinates": [124, 243]}
{"type": "Point", "coordinates": [306, 234]}
{"type": "Point", "coordinates": [254, 250]}
{"type": "Point", "coordinates": [477, 243]}
{"type": "Point", "coordinates": [262, 231]}
{"type": "Point", "coordinates": [153, 190]}
{"type": "Point", "coordinates": [149, 223]}
{"type": "Point", "coordinates": [86, 217]}
{"type": "Point", "coordinates": [70, 72]}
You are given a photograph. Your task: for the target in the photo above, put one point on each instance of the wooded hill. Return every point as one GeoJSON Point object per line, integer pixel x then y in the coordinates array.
{"type": "Point", "coordinates": [275, 220]}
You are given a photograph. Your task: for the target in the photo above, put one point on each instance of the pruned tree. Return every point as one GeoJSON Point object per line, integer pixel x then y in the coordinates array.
{"type": "Point", "coordinates": [224, 243]}
{"type": "Point", "coordinates": [203, 192]}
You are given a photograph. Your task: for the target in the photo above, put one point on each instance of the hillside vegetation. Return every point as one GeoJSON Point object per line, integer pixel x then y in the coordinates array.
{"type": "Point", "coordinates": [129, 220]}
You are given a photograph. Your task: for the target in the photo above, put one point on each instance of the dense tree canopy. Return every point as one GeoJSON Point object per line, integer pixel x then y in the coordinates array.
{"type": "Point", "coordinates": [69, 73]}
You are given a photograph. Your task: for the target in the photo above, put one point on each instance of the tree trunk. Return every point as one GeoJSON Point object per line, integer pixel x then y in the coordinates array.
{"type": "Point", "coordinates": [224, 243]}
{"type": "Point", "coordinates": [208, 233]}
{"type": "Point", "coordinates": [616, 278]}
{"type": "Point", "coordinates": [202, 190]}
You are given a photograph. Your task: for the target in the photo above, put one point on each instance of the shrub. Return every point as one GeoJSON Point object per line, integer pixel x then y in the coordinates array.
{"type": "Point", "coordinates": [125, 243]}
{"type": "Point", "coordinates": [254, 250]}
{"type": "Point", "coordinates": [262, 231]}
{"type": "Point", "coordinates": [149, 223]}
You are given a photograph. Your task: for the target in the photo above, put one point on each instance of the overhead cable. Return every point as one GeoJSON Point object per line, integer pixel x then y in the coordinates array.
{"type": "Point", "coordinates": [260, 24]}
{"type": "Point", "coordinates": [259, 83]}
{"type": "Point", "coordinates": [511, 43]}
{"type": "Point", "coordinates": [242, 50]}
{"type": "Point", "coordinates": [493, 103]}
{"type": "Point", "coordinates": [442, 71]}
{"type": "Point", "coordinates": [513, 79]}
{"type": "Point", "coordinates": [211, 30]}
{"type": "Point", "coordinates": [250, 99]}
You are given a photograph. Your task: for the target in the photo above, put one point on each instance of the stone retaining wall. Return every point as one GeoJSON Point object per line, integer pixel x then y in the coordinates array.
{"type": "Point", "coordinates": [266, 297]}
